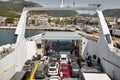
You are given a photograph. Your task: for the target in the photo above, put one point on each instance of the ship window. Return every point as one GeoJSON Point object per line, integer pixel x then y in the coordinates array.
{"type": "Point", "coordinates": [94, 56]}
{"type": "Point", "coordinates": [98, 60]}
{"type": "Point", "coordinates": [15, 38]}
{"type": "Point", "coordinates": [38, 45]}
{"type": "Point", "coordinates": [108, 38]}
{"type": "Point", "coordinates": [87, 53]}
{"type": "Point", "coordinates": [89, 57]}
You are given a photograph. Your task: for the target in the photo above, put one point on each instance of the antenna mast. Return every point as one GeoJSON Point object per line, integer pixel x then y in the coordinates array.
{"type": "Point", "coordinates": [61, 5]}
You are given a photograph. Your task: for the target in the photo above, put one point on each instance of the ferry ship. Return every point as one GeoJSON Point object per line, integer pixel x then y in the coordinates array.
{"type": "Point", "coordinates": [13, 57]}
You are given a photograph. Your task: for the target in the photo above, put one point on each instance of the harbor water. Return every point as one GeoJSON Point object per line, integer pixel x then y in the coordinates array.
{"type": "Point", "coordinates": [7, 36]}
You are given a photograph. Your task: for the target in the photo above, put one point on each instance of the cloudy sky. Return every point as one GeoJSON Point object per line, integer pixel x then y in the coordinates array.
{"type": "Point", "coordinates": [106, 4]}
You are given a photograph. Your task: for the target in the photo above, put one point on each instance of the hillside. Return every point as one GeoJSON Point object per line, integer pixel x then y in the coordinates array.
{"type": "Point", "coordinates": [13, 7]}
{"type": "Point", "coordinates": [8, 8]}
{"type": "Point", "coordinates": [57, 13]}
{"type": "Point", "coordinates": [112, 12]}
{"type": "Point", "coordinates": [6, 5]}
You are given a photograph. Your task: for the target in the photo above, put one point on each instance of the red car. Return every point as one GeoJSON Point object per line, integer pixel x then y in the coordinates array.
{"type": "Point", "coordinates": [65, 69]}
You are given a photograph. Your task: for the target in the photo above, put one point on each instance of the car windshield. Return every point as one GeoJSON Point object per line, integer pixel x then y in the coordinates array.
{"type": "Point", "coordinates": [64, 65]}
{"type": "Point", "coordinates": [52, 69]}
{"type": "Point", "coordinates": [64, 70]}
{"type": "Point", "coordinates": [39, 72]}
{"type": "Point", "coordinates": [26, 67]}
{"type": "Point", "coordinates": [76, 69]}
{"type": "Point", "coordinates": [42, 60]}
{"type": "Point", "coordinates": [63, 58]}
{"type": "Point", "coordinates": [53, 58]}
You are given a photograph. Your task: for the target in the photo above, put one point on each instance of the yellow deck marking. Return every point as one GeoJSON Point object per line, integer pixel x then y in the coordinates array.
{"type": "Point", "coordinates": [6, 70]}
{"type": "Point", "coordinates": [33, 72]}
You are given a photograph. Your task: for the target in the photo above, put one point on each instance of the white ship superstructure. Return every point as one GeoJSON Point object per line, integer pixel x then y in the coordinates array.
{"type": "Point", "coordinates": [106, 55]}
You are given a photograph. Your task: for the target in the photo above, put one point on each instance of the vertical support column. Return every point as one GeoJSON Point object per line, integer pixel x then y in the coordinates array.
{"type": "Point", "coordinates": [62, 4]}
{"type": "Point", "coordinates": [80, 48]}
{"type": "Point", "coordinates": [20, 31]}
{"type": "Point", "coordinates": [43, 47]}
{"type": "Point", "coordinates": [103, 29]}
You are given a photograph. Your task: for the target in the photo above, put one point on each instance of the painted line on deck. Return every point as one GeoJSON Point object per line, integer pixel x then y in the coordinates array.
{"type": "Point", "coordinates": [33, 72]}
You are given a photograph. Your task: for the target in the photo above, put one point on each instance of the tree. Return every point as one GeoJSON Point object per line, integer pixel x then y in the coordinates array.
{"type": "Point", "coordinates": [49, 20]}
{"type": "Point", "coordinates": [57, 21]}
{"type": "Point", "coordinates": [33, 22]}
{"type": "Point", "coordinates": [9, 20]}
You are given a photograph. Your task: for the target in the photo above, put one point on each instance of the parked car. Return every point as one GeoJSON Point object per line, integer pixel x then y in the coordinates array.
{"type": "Point", "coordinates": [77, 27]}
{"type": "Point", "coordinates": [72, 58]}
{"type": "Point", "coordinates": [28, 66]}
{"type": "Point", "coordinates": [65, 69]}
{"type": "Point", "coordinates": [96, 29]}
{"type": "Point", "coordinates": [55, 78]}
{"type": "Point", "coordinates": [32, 64]}
{"type": "Point", "coordinates": [53, 69]}
{"type": "Point", "coordinates": [74, 69]}
{"type": "Point", "coordinates": [28, 69]}
{"type": "Point", "coordinates": [64, 58]}
{"type": "Point", "coordinates": [54, 58]}
{"type": "Point", "coordinates": [44, 60]}
{"type": "Point", "coordinates": [40, 74]}
{"type": "Point", "coordinates": [27, 62]}
{"type": "Point", "coordinates": [88, 29]}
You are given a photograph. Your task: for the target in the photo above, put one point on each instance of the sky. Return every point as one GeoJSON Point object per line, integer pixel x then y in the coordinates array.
{"type": "Point", "coordinates": [106, 4]}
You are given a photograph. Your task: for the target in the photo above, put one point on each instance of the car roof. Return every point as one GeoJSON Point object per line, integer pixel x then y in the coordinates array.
{"type": "Point", "coordinates": [52, 63]}
{"type": "Point", "coordinates": [63, 55]}
{"type": "Point", "coordinates": [40, 67]}
{"type": "Point", "coordinates": [64, 64]}
{"type": "Point", "coordinates": [65, 67]}
{"type": "Point", "coordinates": [75, 65]}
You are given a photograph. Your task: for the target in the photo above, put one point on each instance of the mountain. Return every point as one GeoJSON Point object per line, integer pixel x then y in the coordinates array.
{"type": "Point", "coordinates": [63, 13]}
{"type": "Point", "coordinates": [8, 8]}
{"type": "Point", "coordinates": [57, 13]}
{"type": "Point", "coordinates": [112, 12]}
{"type": "Point", "coordinates": [12, 7]}
{"type": "Point", "coordinates": [18, 6]}
{"type": "Point", "coordinates": [16, 1]}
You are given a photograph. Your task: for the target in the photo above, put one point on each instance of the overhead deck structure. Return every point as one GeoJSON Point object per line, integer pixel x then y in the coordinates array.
{"type": "Point", "coordinates": [61, 36]}
{"type": "Point", "coordinates": [104, 31]}
{"type": "Point", "coordinates": [59, 8]}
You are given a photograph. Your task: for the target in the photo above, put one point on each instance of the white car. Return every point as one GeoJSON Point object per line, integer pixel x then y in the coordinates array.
{"type": "Point", "coordinates": [64, 58]}
{"type": "Point", "coordinates": [44, 60]}
{"type": "Point", "coordinates": [55, 78]}
{"type": "Point", "coordinates": [53, 69]}
{"type": "Point", "coordinates": [77, 27]}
